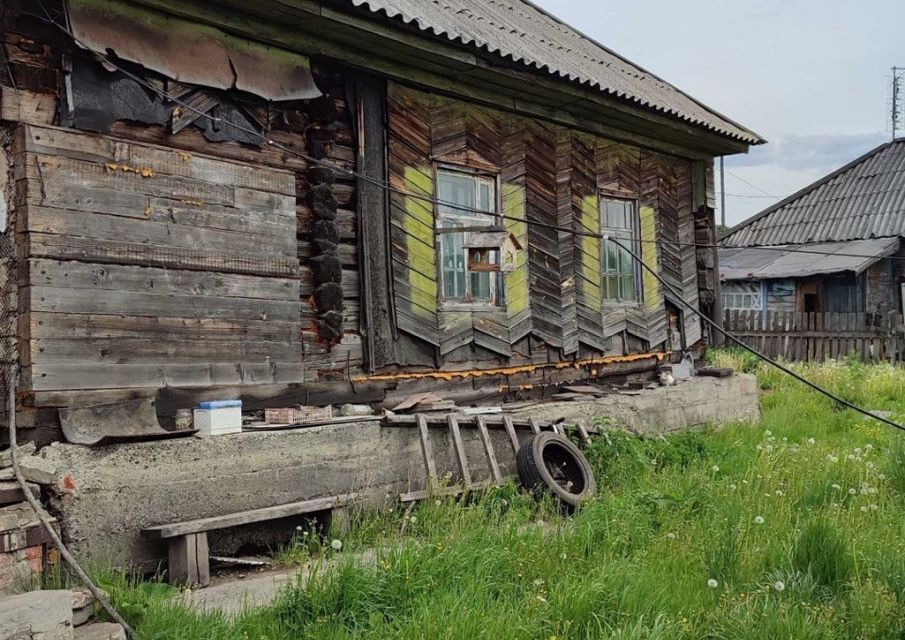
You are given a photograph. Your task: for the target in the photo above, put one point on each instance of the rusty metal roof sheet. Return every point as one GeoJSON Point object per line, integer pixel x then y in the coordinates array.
{"type": "Point", "coordinates": [796, 261]}
{"type": "Point", "coordinates": [863, 199]}
{"type": "Point", "coordinates": [526, 34]}
{"type": "Point", "coordinates": [190, 52]}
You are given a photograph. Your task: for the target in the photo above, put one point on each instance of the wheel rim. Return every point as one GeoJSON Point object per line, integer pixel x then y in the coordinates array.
{"type": "Point", "coordinates": [564, 468]}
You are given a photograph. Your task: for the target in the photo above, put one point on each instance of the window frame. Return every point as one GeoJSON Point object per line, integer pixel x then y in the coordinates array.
{"type": "Point", "coordinates": [758, 296]}
{"type": "Point", "coordinates": [495, 301]}
{"type": "Point", "coordinates": [606, 246]}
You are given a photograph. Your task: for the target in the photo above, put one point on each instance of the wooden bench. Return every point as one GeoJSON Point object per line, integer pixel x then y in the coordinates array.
{"type": "Point", "coordinates": [189, 559]}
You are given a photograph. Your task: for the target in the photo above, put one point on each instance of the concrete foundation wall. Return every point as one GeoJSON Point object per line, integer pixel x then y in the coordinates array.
{"type": "Point", "coordinates": [696, 402]}
{"type": "Point", "coordinates": [109, 493]}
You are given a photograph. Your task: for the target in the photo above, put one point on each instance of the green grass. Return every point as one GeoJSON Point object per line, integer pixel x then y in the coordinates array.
{"type": "Point", "coordinates": [799, 520]}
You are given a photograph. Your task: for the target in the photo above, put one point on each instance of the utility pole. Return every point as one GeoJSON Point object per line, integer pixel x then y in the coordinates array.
{"type": "Point", "coordinates": [897, 73]}
{"type": "Point", "coordinates": [723, 193]}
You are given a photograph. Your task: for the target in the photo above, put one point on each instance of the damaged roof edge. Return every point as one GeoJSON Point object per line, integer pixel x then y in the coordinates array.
{"type": "Point", "coordinates": [190, 52]}
{"type": "Point", "coordinates": [665, 102]}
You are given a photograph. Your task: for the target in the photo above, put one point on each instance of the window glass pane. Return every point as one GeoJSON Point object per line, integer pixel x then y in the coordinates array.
{"type": "Point", "coordinates": [628, 287]}
{"type": "Point", "coordinates": [615, 214]}
{"type": "Point", "coordinates": [457, 189]}
{"type": "Point", "coordinates": [611, 251]}
{"type": "Point", "coordinates": [485, 201]}
{"type": "Point", "coordinates": [480, 285]}
{"type": "Point", "coordinates": [453, 265]}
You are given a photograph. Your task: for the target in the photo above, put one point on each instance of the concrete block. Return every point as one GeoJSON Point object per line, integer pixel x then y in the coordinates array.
{"type": "Point", "coordinates": [37, 469]}
{"type": "Point", "coordinates": [100, 631]}
{"type": "Point", "coordinates": [37, 615]}
{"type": "Point", "coordinates": [24, 450]}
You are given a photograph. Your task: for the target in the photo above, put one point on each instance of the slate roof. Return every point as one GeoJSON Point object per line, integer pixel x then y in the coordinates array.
{"type": "Point", "coordinates": [863, 199]}
{"type": "Point", "coordinates": [526, 34]}
{"type": "Point", "coordinates": [796, 261]}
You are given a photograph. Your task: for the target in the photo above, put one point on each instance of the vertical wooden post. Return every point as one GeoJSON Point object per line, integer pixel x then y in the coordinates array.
{"type": "Point", "coordinates": [510, 430]}
{"type": "Point", "coordinates": [189, 560]}
{"type": "Point", "coordinates": [426, 450]}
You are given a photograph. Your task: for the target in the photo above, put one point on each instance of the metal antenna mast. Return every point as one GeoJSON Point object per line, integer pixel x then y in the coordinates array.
{"type": "Point", "coordinates": [896, 111]}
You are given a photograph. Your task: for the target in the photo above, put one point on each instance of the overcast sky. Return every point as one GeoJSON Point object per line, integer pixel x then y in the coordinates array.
{"type": "Point", "coordinates": [812, 77]}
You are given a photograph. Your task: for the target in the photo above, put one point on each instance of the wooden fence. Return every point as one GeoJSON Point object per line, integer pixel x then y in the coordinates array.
{"type": "Point", "coordinates": [816, 337]}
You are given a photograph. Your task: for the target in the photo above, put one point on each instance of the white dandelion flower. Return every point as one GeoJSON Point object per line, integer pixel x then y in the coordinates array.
{"type": "Point", "coordinates": [713, 584]}
{"type": "Point", "coordinates": [715, 469]}
{"type": "Point", "coordinates": [732, 487]}
{"type": "Point", "coordinates": [863, 509]}
{"type": "Point", "coordinates": [413, 519]}
{"type": "Point", "coordinates": [869, 465]}
{"type": "Point", "coordinates": [768, 433]}
{"type": "Point", "coordinates": [858, 451]}
{"type": "Point", "coordinates": [852, 491]}
{"type": "Point", "coordinates": [437, 502]}
{"type": "Point", "coordinates": [336, 545]}
{"type": "Point", "coordinates": [850, 456]}
{"type": "Point", "coordinates": [811, 443]}
{"type": "Point", "coordinates": [881, 476]}
{"type": "Point", "coordinates": [873, 507]}
{"type": "Point", "coordinates": [759, 520]}
{"type": "Point", "coordinates": [833, 459]}
{"type": "Point", "coordinates": [671, 536]}
{"type": "Point", "coordinates": [779, 585]}
{"type": "Point", "coordinates": [298, 528]}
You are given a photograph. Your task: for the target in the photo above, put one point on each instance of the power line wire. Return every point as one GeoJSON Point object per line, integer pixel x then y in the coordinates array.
{"type": "Point", "coordinates": [751, 184]}
{"type": "Point", "coordinates": [604, 237]}
{"type": "Point", "coordinates": [411, 194]}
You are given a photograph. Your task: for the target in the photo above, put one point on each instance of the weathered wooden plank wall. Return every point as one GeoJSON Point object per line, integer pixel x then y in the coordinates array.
{"type": "Point", "coordinates": [550, 175]}
{"type": "Point", "coordinates": [134, 251]}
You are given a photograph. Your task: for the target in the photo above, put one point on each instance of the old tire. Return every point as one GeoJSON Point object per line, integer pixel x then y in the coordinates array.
{"type": "Point", "coordinates": [551, 462]}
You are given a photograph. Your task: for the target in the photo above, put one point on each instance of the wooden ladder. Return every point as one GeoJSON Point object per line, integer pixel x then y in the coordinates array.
{"type": "Point", "coordinates": [480, 422]}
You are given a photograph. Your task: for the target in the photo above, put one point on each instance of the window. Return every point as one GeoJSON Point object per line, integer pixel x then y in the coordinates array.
{"type": "Point", "coordinates": [621, 275]}
{"type": "Point", "coordinates": [468, 274]}
{"type": "Point", "coordinates": [744, 296]}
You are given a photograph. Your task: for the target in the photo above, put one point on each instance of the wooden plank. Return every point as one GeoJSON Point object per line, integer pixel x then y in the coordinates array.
{"type": "Point", "coordinates": [188, 527]}
{"type": "Point", "coordinates": [426, 450]}
{"type": "Point", "coordinates": [488, 449]}
{"type": "Point", "coordinates": [535, 426]}
{"type": "Point", "coordinates": [440, 492]}
{"type": "Point", "coordinates": [510, 431]}
{"type": "Point", "coordinates": [459, 446]}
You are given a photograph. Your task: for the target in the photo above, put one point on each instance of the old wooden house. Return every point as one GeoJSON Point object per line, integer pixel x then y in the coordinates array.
{"type": "Point", "coordinates": [826, 261]}
{"type": "Point", "coordinates": [318, 202]}
{"type": "Point", "coordinates": [183, 220]}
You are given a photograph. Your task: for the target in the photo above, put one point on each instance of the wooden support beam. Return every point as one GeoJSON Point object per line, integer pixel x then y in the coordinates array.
{"type": "Point", "coordinates": [459, 446]}
{"type": "Point", "coordinates": [488, 449]}
{"type": "Point", "coordinates": [535, 426]}
{"type": "Point", "coordinates": [583, 431]}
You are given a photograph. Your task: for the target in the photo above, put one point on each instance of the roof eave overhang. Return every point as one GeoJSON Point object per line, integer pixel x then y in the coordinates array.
{"type": "Point", "coordinates": [364, 41]}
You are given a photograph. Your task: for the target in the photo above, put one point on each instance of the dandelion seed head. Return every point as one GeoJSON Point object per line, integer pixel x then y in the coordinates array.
{"type": "Point", "coordinates": [437, 502]}
{"type": "Point", "coordinates": [780, 493]}
{"type": "Point", "coordinates": [863, 509]}
{"type": "Point", "coordinates": [868, 446]}
{"type": "Point", "coordinates": [759, 520]}
{"type": "Point", "coordinates": [298, 528]}
{"type": "Point", "coordinates": [779, 585]}
{"type": "Point", "coordinates": [413, 519]}
{"type": "Point", "coordinates": [768, 433]}
{"type": "Point", "coordinates": [336, 545]}
{"type": "Point", "coordinates": [852, 491]}
{"type": "Point", "coordinates": [873, 507]}
{"type": "Point", "coordinates": [671, 535]}
{"type": "Point", "coordinates": [715, 469]}
{"type": "Point", "coordinates": [811, 443]}
{"type": "Point", "coordinates": [881, 476]}
{"type": "Point", "coordinates": [712, 583]}
{"type": "Point", "coordinates": [732, 487]}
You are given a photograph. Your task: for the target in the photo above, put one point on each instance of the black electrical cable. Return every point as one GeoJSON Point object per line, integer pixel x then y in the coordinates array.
{"type": "Point", "coordinates": [383, 185]}
{"type": "Point", "coordinates": [739, 342]}
{"type": "Point", "coordinates": [418, 196]}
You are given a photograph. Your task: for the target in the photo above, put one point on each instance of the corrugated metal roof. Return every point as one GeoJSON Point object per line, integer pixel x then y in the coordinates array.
{"type": "Point", "coordinates": [521, 31]}
{"type": "Point", "coordinates": [863, 199]}
{"type": "Point", "coordinates": [796, 261]}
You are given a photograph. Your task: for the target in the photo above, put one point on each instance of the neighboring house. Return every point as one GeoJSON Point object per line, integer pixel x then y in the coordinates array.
{"type": "Point", "coordinates": [161, 251]}
{"type": "Point", "coordinates": [834, 247]}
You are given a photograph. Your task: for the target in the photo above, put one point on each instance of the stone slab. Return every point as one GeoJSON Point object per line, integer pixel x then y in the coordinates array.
{"type": "Point", "coordinates": [37, 615]}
